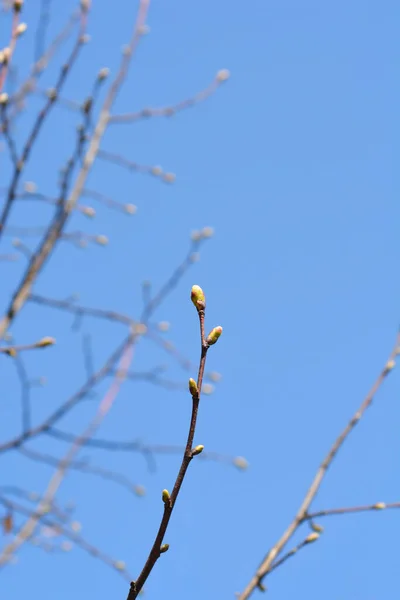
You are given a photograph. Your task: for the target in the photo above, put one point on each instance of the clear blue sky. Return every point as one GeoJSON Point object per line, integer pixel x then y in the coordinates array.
{"type": "Point", "coordinates": [294, 162]}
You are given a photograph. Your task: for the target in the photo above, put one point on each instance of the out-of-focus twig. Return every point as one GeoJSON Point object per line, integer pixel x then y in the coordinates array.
{"type": "Point", "coordinates": [29, 527]}
{"type": "Point", "coordinates": [173, 109]}
{"type": "Point", "coordinates": [56, 227]}
{"type": "Point", "coordinates": [302, 513]}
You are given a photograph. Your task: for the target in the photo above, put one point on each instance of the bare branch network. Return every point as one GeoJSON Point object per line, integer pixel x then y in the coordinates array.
{"type": "Point", "coordinates": [39, 519]}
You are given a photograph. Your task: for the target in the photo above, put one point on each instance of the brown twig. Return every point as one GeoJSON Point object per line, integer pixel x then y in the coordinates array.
{"type": "Point", "coordinates": [56, 228]}
{"type": "Point", "coordinates": [22, 160]}
{"type": "Point", "coordinates": [171, 110]}
{"type": "Point", "coordinates": [313, 537]}
{"type": "Point", "coordinates": [79, 395]}
{"type": "Point", "coordinates": [170, 500]}
{"type": "Point", "coordinates": [302, 513]}
{"type": "Point", "coordinates": [351, 509]}
{"type": "Point", "coordinates": [29, 527]}
{"type": "Point", "coordinates": [146, 449]}
{"type": "Point", "coordinates": [85, 467]}
{"type": "Point", "coordinates": [131, 165]}
{"type": "Point", "coordinates": [14, 350]}
{"type": "Point", "coordinates": [28, 86]}
{"type": "Point", "coordinates": [79, 310]}
{"type": "Point", "coordinates": [70, 535]}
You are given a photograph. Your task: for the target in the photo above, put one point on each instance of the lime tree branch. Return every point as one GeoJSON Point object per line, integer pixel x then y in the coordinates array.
{"type": "Point", "coordinates": [169, 500]}
{"type": "Point", "coordinates": [267, 564]}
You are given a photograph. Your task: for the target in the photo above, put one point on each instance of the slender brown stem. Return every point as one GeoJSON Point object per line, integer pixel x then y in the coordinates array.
{"type": "Point", "coordinates": [302, 513]}
{"type": "Point", "coordinates": [352, 509]}
{"type": "Point", "coordinates": [22, 160]}
{"type": "Point", "coordinates": [56, 227]}
{"type": "Point", "coordinates": [154, 554]}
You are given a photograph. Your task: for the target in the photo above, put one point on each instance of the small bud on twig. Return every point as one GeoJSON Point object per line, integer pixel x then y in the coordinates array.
{"type": "Point", "coordinates": [193, 387]}
{"type": "Point", "coordinates": [379, 506]}
{"type": "Point", "coordinates": [103, 74]}
{"type": "Point", "coordinates": [102, 240]}
{"type": "Point", "coordinates": [261, 586]}
{"type": "Point", "coordinates": [52, 94]}
{"type": "Point", "coordinates": [223, 75]}
{"type": "Point", "coordinates": [130, 209]}
{"type": "Point", "coordinates": [11, 352]}
{"type": "Point", "coordinates": [44, 342]}
{"type": "Point", "coordinates": [214, 335]}
{"type": "Point", "coordinates": [89, 211]}
{"type": "Point", "coordinates": [198, 297]}
{"type": "Point", "coordinates": [389, 366]}
{"type": "Point", "coordinates": [17, 6]}
{"type": "Point", "coordinates": [165, 496]}
{"type": "Point", "coordinates": [240, 463]}
{"type": "Point", "coordinates": [164, 548]}
{"type": "Point", "coordinates": [197, 450]}
{"type": "Point", "coordinates": [312, 537]}
{"type": "Point", "coordinates": [22, 27]}
{"type": "Point", "coordinates": [5, 56]}
{"type": "Point", "coordinates": [317, 528]}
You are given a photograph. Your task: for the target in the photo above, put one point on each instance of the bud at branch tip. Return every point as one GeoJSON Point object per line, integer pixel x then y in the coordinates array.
{"type": "Point", "coordinates": [198, 298]}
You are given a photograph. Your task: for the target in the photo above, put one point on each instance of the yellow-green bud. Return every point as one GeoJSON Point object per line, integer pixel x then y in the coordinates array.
{"type": "Point", "coordinates": [317, 528]}
{"type": "Point", "coordinates": [312, 537]}
{"type": "Point", "coordinates": [198, 297]}
{"type": "Point", "coordinates": [197, 450]}
{"type": "Point", "coordinates": [379, 506]}
{"type": "Point", "coordinates": [193, 389]}
{"type": "Point", "coordinates": [389, 366]}
{"type": "Point", "coordinates": [240, 463]}
{"type": "Point", "coordinates": [214, 335]}
{"type": "Point", "coordinates": [164, 548]}
{"type": "Point", "coordinates": [11, 352]}
{"type": "Point", "coordinates": [46, 341]}
{"type": "Point", "coordinates": [165, 496]}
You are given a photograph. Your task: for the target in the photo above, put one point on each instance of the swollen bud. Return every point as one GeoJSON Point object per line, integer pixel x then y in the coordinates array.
{"type": "Point", "coordinates": [198, 297]}
{"type": "Point", "coordinates": [312, 537]}
{"type": "Point", "coordinates": [164, 548]}
{"type": "Point", "coordinates": [214, 335]}
{"type": "Point", "coordinates": [11, 352]}
{"type": "Point", "coordinates": [389, 366]}
{"type": "Point", "coordinates": [197, 450]}
{"type": "Point", "coordinates": [165, 496]}
{"type": "Point", "coordinates": [193, 389]}
{"type": "Point", "coordinates": [46, 341]}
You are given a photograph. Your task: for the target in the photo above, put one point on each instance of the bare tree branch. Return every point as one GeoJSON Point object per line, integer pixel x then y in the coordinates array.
{"type": "Point", "coordinates": [302, 513]}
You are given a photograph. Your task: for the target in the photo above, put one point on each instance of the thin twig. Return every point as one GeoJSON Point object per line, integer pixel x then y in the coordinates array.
{"type": "Point", "coordinates": [29, 527]}
{"type": "Point", "coordinates": [302, 513]}
{"type": "Point", "coordinates": [351, 509]}
{"type": "Point", "coordinates": [85, 467]}
{"type": "Point", "coordinates": [68, 306]}
{"type": "Point", "coordinates": [56, 227]}
{"type": "Point", "coordinates": [28, 86]}
{"type": "Point", "coordinates": [22, 160]}
{"type": "Point", "coordinates": [5, 66]}
{"type": "Point", "coordinates": [170, 500]}
{"type": "Point", "coordinates": [168, 111]}
{"type": "Point", "coordinates": [70, 535]}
